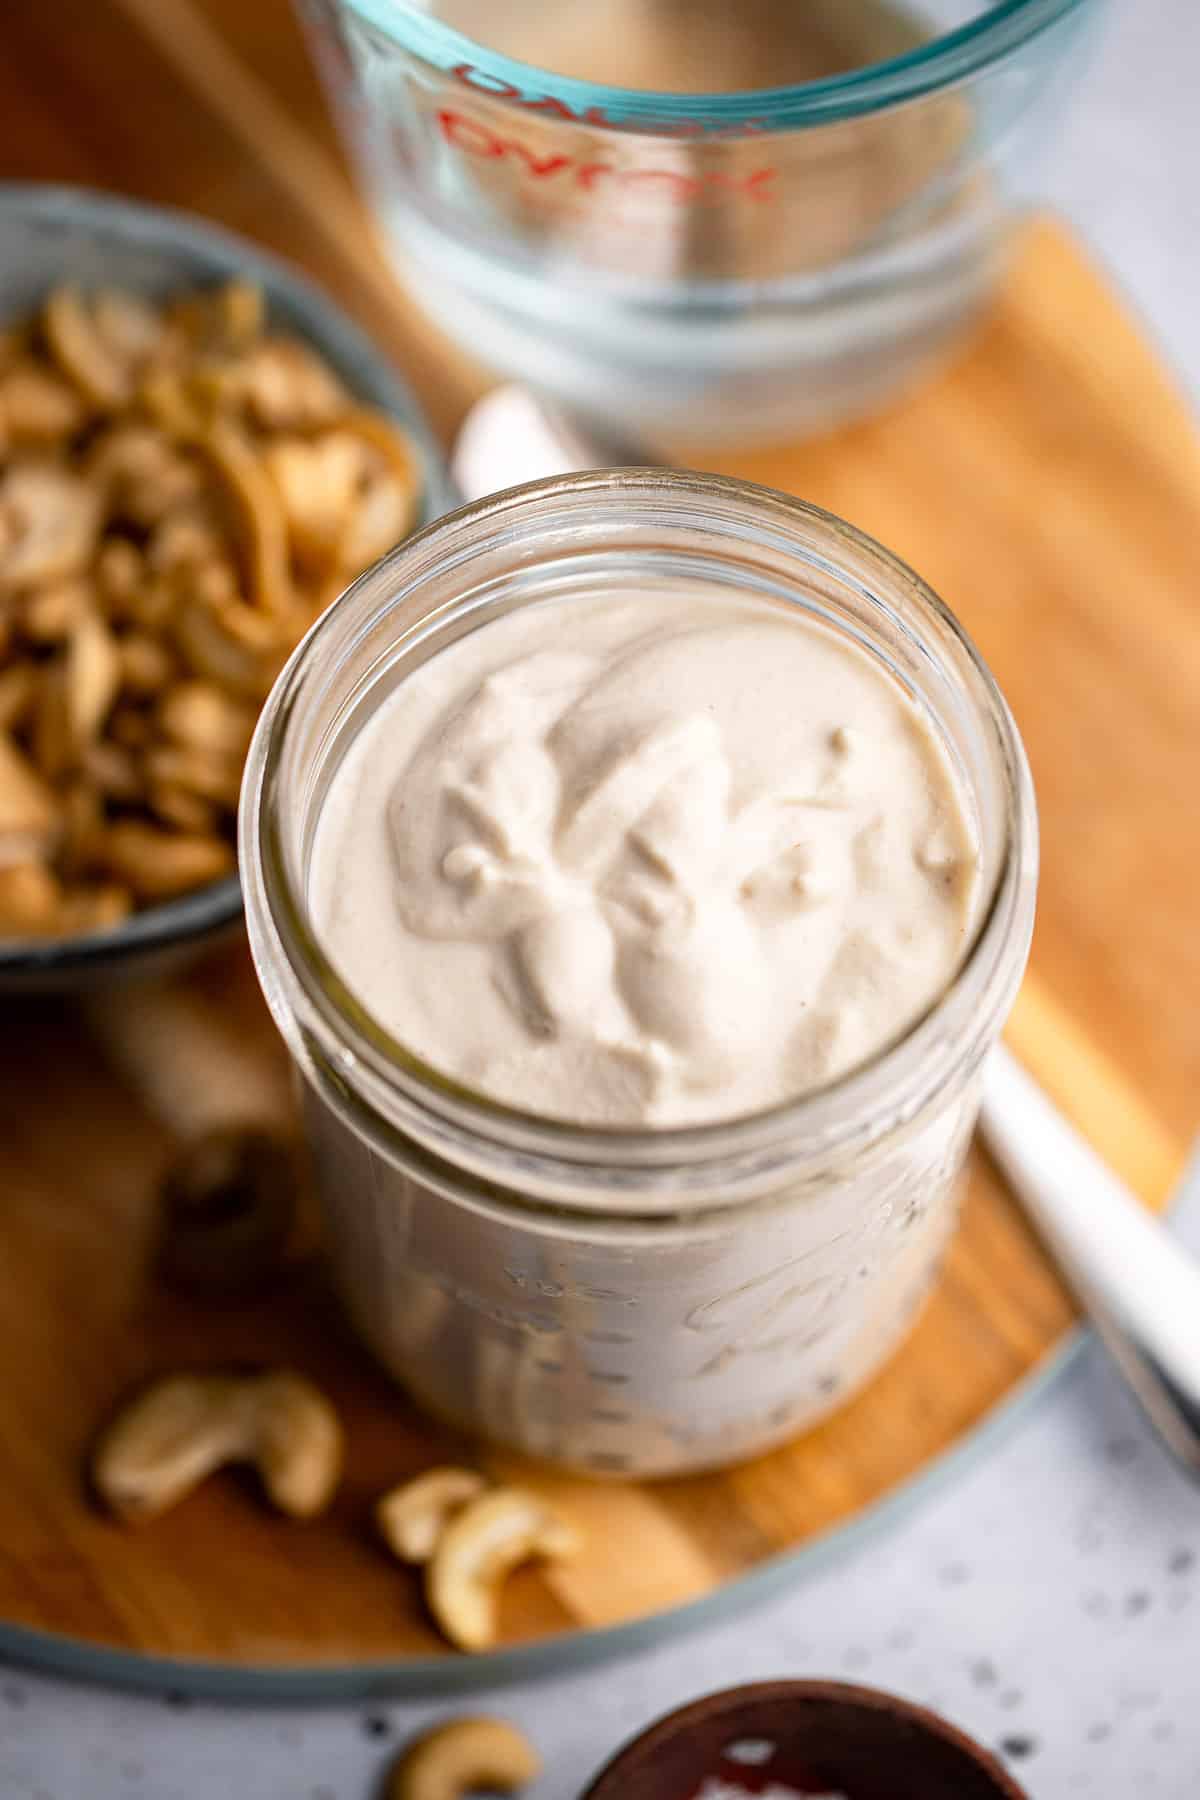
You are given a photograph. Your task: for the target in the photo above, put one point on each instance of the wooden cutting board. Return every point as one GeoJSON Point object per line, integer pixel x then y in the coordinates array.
{"type": "Point", "coordinates": [1049, 487]}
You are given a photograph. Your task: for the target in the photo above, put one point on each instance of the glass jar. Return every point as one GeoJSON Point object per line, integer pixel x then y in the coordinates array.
{"type": "Point", "coordinates": [713, 267]}
{"type": "Point", "coordinates": [635, 1301]}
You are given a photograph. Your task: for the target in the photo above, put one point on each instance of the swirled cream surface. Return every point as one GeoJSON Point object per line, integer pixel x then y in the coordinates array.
{"type": "Point", "coordinates": [646, 861]}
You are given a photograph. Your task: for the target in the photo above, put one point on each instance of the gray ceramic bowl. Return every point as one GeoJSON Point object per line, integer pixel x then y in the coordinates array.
{"type": "Point", "coordinates": [52, 234]}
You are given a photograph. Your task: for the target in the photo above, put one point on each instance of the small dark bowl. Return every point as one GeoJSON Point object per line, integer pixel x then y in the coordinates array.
{"type": "Point", "coordinates": [52, 234]}
{"type": "Point", "coordinates": [828, 1738]}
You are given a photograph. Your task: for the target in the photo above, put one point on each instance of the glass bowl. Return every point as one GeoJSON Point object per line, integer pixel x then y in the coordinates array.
{"type": "Point", "coordinates": [716, 267]}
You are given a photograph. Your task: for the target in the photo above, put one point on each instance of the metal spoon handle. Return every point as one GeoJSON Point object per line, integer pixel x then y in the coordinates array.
{"type": "Point", "coordinates": [1137, 1283]}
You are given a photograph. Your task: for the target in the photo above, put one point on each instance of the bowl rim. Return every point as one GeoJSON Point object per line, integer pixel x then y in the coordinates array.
{"type": "Point", "coordinates": [179, 923]}
{"type": "Point", "coordinates": [607, 1783]}
{"type": "Point", "coordinates": [949, 58]}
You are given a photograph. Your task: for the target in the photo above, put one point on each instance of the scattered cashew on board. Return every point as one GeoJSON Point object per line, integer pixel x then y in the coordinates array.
{"type": "Point", "coordinates": [181, 1429]}
{"type": "Point", "coordinates": [480, 1546]}
{"type": "Point", "coordinates": [469, 1538]}
{"type": "Point", "coordinates": [412, 1518]}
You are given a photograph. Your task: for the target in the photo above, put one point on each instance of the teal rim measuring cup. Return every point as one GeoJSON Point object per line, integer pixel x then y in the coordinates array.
{"type": "Point", "coordinates": [730, 265]}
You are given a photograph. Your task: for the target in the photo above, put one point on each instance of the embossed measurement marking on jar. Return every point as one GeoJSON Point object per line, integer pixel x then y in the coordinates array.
{"type": "Point", "coordinates": [721, 1312]}
{"type": "Point", "coordinates": [511, 1318]}
{"type": "Point", "coordinates": [794, 1341]}
{"type": "Point", "coordinates": [557, 1290]}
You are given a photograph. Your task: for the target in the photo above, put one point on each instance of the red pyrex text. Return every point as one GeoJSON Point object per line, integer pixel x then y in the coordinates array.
{"type": "Point", "coordinates": [477, 139]}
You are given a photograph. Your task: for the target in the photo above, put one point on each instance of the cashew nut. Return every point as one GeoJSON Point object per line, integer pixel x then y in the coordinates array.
{"type": "Point", "coordinates": [82, 824]}
{"type": "Point", "coordinates": [51, 739]}
{"type": "Point", "coordinates": [143, 473]}
{"type": "Point", "coordinates": [258, 510]}
{"type": "Point", "coordinates": [101, 343]}
{"type": "Point", "coordinates": [18, 691]}
{"type": "Point", "coordinates": [119, 574]}
{"type": "Point", "coordinates": [188, 535]}
{"type": "Point", "coordinates": [464, 1756]}
{"type": "Point", "coordinates": [288, 388]}
{"type": "Point", "coordinates": [147, 666]}
{"type": "Point", "coordinates": [212, 774]}
{"type": "Point", "coordinates": [81, 351]}
{"type": "Point", "coordinates": [212, 649]}
{"type": "Point", "coordinates": [92, 677]}
{"type": "Point", "coordinates": [30, 815]}
{"type": "Point", "coordinates": [157, 865]}
{"type": "Point", "coordinates": [30, 900]}
{"type": "Point", "coordinates": [113, 772]}
{"type": "Point", "coordinates": [318, 481]}
{"type": "Point", "coordinates": [49, 614]}
{"type": "Point", "coordinates": [412, 1518]}
{"type": "Point", "coordinates": [53, 520]}
{"type": "Point", "coordinates": [184, 1427]}
{"type": "Point", "coordinates": [299, 1444]}
{"type": "Point", "coordinates": [477, 1549]}
{"type": "Point", "coordinates": [199, 715]}
{"type": "Point", "coordinates": [172, 805]}
{"type": "Point", "coordinates": [37, 406]}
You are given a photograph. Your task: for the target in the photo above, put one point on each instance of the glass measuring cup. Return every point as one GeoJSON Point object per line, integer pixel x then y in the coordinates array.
{"type": "Point", "coordinates": [717, 266]}
{"type": "Point", "coordinates": [632, 1301]}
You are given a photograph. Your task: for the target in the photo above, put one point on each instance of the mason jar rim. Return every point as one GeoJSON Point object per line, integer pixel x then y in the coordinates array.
{"type": "Point", "coordinates": [949, 58]}
{"type": "Point", "coordinates": [437, 1109]}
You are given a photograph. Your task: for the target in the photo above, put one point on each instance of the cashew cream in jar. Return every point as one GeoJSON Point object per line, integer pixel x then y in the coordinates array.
{"type": "Point", "coordinates": [639, 866]}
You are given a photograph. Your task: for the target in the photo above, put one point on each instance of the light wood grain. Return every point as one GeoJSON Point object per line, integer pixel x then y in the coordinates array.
{"type": "Point", "coordinates": [1048, 485]}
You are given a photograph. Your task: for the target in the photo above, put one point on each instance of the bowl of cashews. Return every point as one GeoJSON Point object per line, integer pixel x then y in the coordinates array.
{"type": "Point", "coordinates": [198, 452]}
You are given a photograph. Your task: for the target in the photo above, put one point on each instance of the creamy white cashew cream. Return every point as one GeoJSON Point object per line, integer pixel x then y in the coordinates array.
{"type": "Point", "coordinates": [652, 861]}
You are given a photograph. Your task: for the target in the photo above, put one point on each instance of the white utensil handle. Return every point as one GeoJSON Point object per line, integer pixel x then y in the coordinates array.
{"type": "Point", "coordinates": [511, 436]}
{"type": "Point", "coordinates": [1139, 1285]}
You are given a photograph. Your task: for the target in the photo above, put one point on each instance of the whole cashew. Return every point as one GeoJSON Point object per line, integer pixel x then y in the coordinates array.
{"type": "Point", "coordinates": [81, 350]}
{"type": "Point", "coordinates": [462, 1757]}
{"type": "Point", "coordinates": [411, 1518]}
{"type": "Point", "coordinates": [52, 519]}
{"type": "Point", "coordinates": [475, 1552]}
{"type": "Point", "coordinates": [182, 1428]}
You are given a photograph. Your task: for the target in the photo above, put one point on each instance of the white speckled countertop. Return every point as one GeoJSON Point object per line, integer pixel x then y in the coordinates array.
{"type": "Point", "coordinates": [1048, 1599]}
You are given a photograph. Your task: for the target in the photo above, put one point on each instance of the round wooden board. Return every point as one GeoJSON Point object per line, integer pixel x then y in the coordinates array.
{"type": "Point", "coordinates": [1050, 487]}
